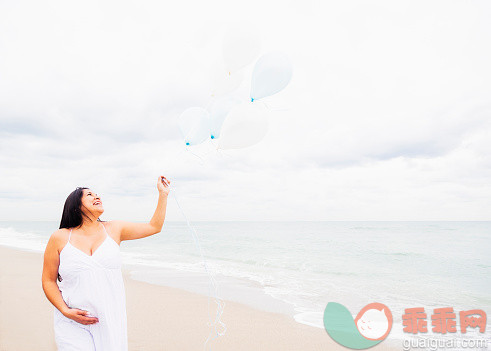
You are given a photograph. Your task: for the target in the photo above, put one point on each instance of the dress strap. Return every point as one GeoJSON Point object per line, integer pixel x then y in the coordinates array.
{"type": "Point", "coordinates": [105, 229]}
{"type": "Point", "coordinates": [70, 235]}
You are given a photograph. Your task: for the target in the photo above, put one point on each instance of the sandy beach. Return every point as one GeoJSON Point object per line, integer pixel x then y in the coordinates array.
{"type": "Point", "coordinates": [159, 318]}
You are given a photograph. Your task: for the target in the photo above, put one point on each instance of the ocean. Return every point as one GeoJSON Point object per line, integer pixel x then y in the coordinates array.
{"type": "Point", "coordinates": [296, 268]}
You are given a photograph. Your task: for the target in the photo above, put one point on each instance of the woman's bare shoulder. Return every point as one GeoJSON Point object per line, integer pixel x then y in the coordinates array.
{"type": "Point", "coordinates": [60, 233]}
{"type": "Point", "coordinates": [59, 237]}
{"type": "Point", "coordinates": [114, 230]}
{"type": "Point", "coordinates": [114, 224]}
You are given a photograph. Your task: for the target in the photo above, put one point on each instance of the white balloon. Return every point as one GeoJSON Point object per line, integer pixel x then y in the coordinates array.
{"type": "Point", "coordinates": [194, 123]}
{"type": "Point", "coordinates": [240, 47]}
{"type": "Point", "coordinates": [219, 111]}
{"type": "Point", "coordinates": [222, 82]}
{"type": "Point", "coordinates": [272, 73]}
{"type": "Point", "coordinates": [245, 125]}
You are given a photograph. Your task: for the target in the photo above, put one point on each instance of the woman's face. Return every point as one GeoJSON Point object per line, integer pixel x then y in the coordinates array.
{"type": "Point", "coordinates": [91, 203]}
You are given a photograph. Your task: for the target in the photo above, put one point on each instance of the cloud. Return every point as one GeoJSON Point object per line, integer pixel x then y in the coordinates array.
{"type": "Point", "coordinates": [386, 116]}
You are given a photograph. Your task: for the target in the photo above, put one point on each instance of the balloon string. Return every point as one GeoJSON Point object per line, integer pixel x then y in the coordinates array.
{"type": "Point", "coordinates": [218, 328]}
{"type": "Point", "coordinates": [216, 150]}
{"type": "Point", "coordinates": [192, 153]}
{"type": "Point", "coordinates": [217, 323]}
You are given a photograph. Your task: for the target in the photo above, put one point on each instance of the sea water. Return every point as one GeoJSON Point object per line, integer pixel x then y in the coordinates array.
{"type": "Point", "coordinates": [296, 268]}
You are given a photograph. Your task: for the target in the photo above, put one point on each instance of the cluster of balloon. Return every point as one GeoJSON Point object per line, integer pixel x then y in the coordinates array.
{"type": "Point", "coordinates": [234, 123]}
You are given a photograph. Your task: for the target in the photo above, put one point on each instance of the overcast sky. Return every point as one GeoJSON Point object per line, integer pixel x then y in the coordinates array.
{"type": "Point", "coordinates": [387, 115]}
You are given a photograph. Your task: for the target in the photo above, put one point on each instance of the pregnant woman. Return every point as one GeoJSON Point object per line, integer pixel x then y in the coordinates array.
{"type": "Point", "coordinates": [83, 255]}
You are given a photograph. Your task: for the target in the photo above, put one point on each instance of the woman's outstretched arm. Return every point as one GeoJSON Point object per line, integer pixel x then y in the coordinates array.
{"type": "Point", "coordinates": [132, 230]}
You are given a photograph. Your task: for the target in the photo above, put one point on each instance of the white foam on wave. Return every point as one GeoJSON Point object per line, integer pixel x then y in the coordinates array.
{"type": "Point", "coordinates": [21, 240]}
{"type": "Point", "coordinates": [311, 318]}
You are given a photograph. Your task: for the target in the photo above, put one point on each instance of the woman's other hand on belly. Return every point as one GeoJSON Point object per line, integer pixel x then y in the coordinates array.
{"type": "Point", "coordinates": [80, 316]}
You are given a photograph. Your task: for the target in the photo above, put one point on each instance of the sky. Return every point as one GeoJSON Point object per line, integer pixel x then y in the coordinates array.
{"type": "Point", "coordinates": [387, 115]}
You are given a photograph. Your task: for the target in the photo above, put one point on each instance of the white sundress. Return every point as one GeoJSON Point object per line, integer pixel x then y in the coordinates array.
{"type": "Point", "coordinates": [94, 284]}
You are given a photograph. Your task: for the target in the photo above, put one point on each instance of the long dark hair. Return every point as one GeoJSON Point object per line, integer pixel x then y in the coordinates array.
{"type": "Point", "coordinates": [72, 214]}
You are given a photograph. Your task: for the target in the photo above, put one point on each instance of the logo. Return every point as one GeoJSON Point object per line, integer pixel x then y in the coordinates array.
{"type": "Point", "coordinates": [370, 327]}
